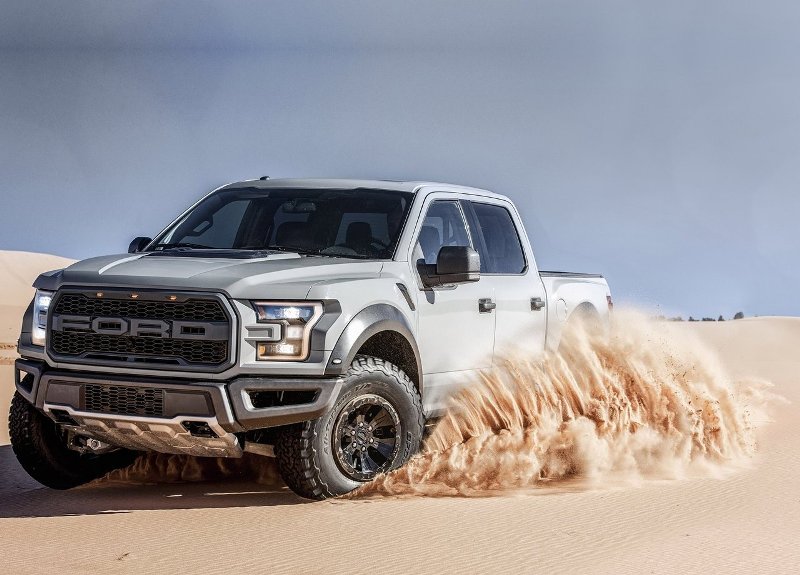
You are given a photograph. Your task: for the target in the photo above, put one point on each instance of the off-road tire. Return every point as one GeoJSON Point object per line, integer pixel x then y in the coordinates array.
{"type": "Point", "coordinates": [42, 452]}
{"type": "Point", "coordinates": [305, 450]}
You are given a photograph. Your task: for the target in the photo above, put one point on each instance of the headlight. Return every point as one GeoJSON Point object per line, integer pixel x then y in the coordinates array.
{"type": "Point", "coordinates": [41, 303]}
{"type": "Point", "coordinates": [292, 322]}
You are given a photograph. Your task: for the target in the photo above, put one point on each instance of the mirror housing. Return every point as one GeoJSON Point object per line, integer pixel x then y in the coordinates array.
{"type": "Point", "coordinates": [138, 244]}
{"type": "Point", "coordinates": [454, 265]}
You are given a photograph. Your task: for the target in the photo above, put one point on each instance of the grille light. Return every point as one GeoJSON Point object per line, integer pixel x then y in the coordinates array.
{"type": "Point", "coordinates": [41, 305]}
{"type": "Point", "coordinates": [297, 319]}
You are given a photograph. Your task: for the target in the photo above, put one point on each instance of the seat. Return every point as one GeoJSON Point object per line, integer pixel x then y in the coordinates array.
{"type": "Point", "coordinates": [293, 235]}
{"type": "Point", "coordinates": [496, 247]}
{"type": "Point", "coordinates": [359, 237]}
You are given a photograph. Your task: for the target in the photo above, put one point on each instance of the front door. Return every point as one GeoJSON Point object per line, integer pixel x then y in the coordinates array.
{"type": "Point", "coordinates": [456, 338]}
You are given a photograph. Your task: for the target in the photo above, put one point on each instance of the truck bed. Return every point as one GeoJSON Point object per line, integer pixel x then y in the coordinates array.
{"type": "Point", "coordinates": [552, 274]}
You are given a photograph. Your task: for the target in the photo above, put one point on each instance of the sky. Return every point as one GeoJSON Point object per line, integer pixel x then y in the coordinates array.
{"type": "Point", "coordinates": [654, 142]}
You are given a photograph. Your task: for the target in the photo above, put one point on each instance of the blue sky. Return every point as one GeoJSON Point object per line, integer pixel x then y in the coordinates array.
{"type": "Point", "coordinates": [654, 142]}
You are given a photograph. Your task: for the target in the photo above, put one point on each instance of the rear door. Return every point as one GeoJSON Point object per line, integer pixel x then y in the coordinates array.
{"type": "Point", "coordinates": [510, 271]}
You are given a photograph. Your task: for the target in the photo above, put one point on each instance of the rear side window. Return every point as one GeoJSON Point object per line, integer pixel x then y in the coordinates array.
{"type": "Point", "coordinates": [501, 252]}
{"type": "Point", "coordinates": [443, 226]}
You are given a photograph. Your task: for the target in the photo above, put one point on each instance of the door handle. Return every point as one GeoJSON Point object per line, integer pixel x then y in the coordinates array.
{"type": "Point", "coordinates": [486, 305]}
{"type": "Point", "coordinates": [537, 303]}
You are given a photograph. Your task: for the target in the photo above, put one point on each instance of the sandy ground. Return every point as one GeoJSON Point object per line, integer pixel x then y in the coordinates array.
{"type": "Point", "coordinates": [747, 522]}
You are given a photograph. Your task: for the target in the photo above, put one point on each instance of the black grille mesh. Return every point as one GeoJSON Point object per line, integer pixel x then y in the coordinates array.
{"type": "Point", "coordinates": [189, 310]}
{"type": "Point", "coordinates": [191, 350]}
{"type": "Point", "coordinates": [124, 400]}
{"type": "Point", "coordinates": [140, 349]}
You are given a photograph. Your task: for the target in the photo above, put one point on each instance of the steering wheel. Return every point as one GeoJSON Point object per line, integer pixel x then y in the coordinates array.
{"type": "Point", "coordinates": [380, 243]}
{"type": "Point", "coordinates": [339, 250]}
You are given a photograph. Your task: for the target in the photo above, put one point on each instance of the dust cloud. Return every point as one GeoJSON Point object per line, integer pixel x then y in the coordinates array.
{"type": "Point", "coordinates": [642, 400]}
{"type": "Point", "coordinates": [154, 467]}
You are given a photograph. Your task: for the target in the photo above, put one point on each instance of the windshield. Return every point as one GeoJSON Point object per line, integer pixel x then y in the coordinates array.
{"type": "Point", "coordinates": [358, 223]}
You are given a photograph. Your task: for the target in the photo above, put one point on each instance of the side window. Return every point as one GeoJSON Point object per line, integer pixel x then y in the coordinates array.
{"type": "Point", "coordinates": [501, 252]}
{"type": "Point", "coordinates": [443, 226]}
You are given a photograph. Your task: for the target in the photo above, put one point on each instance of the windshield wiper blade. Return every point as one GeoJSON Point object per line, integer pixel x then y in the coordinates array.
{"type": "Point", "coordinates": [294, 250]}
{"type": "Point", "coordinates": [302, 251]}
{"type": "Point", "coordinates": [188, 245]}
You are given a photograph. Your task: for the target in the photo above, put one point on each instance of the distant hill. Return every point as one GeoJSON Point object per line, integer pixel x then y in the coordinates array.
{"type": "Point", "coordinates": [18, 270]}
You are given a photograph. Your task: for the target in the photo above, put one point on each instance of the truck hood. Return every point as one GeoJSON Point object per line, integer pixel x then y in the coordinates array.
{"type": "Point", "coordinates": [283, 275]}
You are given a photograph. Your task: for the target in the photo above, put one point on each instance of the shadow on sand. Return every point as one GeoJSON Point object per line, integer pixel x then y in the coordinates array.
{"type": "Point", "coordinates": [21, 496]}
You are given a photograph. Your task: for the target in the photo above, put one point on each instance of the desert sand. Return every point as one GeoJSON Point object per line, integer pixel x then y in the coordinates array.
{"type": "Point", "coordinates": [17, 272]}
{"type": "Point", "coordinates": [741, 519]}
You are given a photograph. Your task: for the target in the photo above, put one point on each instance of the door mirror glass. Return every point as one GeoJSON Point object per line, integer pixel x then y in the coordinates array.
{"type": "Point", "coordinates": [138, 244]}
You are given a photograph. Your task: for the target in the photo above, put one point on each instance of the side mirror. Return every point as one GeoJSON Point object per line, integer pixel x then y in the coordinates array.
{"type": "Point", "coordinates": [454, 265]}
{"type": "Point", "coordinates": [138, 244]}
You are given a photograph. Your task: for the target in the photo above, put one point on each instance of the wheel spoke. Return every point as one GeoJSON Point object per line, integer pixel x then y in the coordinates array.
{"type": "Point", "coordinates": [384, 449]}
{"type": "Point", "coordinates": [348, 450]}
{"type": "Point", "coordinates": [367, 464]}
{"type": "Point", "coordinates": [381, 419]}
{"type": "Point", "coordinates": [347, 433]}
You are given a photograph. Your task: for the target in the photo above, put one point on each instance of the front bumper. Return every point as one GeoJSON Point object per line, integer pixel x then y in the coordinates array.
{"type": "Point", "coordinates": [193, 417]}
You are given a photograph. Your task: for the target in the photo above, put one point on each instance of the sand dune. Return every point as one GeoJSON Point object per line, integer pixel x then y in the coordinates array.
{"type": "Point", "coordinates": [17, 272]}
{"type": "Point", "coordinates": [742, 521]}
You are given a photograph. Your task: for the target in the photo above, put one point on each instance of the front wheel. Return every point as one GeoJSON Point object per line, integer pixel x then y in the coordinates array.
{"type": "Point", "coordinates": [41, 449]}
{"type": "Point", "coordinates": [375, 426]}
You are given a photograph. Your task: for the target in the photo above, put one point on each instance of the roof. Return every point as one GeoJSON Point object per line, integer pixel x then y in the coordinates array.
{"type": "Point", "coordinates": [346, 184]}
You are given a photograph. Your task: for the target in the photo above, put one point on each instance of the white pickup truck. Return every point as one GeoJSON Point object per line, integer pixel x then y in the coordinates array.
{"type": "Point", "coordinates": [323, 321]}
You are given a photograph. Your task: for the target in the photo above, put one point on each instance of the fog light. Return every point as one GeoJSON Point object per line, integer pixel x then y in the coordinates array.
{"type": "Point", "coordinates": [266, 350]}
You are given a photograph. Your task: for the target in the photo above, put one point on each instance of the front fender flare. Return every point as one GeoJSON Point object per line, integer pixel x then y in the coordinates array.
{"type": "Point", "coordinates": [366, 323]}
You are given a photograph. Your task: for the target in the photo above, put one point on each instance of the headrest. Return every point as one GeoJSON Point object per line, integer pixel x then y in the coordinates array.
{"type": "Point", "coordinates": [358, 233]}
{"type": "Point", "coordinates": [289, 232]}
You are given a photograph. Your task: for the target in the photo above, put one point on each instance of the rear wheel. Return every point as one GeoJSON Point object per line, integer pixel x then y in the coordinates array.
{"type": "Point", "coordinates": [41, 448]}
{"type": "Point", "coordinates": [375, 426]}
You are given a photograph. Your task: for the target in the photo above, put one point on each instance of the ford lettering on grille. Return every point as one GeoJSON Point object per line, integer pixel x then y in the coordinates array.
{"type": "Point", "coordinates": [136, 327]}
{"type": "Point", "coordinates": [153, 329]}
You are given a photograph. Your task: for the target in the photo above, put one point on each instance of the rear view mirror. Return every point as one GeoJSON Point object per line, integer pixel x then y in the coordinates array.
{"type": "Point", "coordinates": [138, 244]}
{"type": "Point", "coordinates": [299, 206]}
{"type": "Point", "coordinates": [454, 265]}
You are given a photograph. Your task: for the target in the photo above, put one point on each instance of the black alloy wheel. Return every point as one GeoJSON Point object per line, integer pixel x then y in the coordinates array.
{"type": "Point", "coordinates": [367, 437]}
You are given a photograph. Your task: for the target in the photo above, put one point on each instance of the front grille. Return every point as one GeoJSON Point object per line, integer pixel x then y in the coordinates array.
{"type": "Point", "coordinates": [124, 400]}
{"type": "Point", "coordinates": [167, 346]}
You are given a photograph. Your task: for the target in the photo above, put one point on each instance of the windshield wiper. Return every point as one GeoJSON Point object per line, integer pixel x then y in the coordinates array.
{"type": "Point", "coordinates": [314, 252]}
{"type": "Point", "coordinates": [177, 245]}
